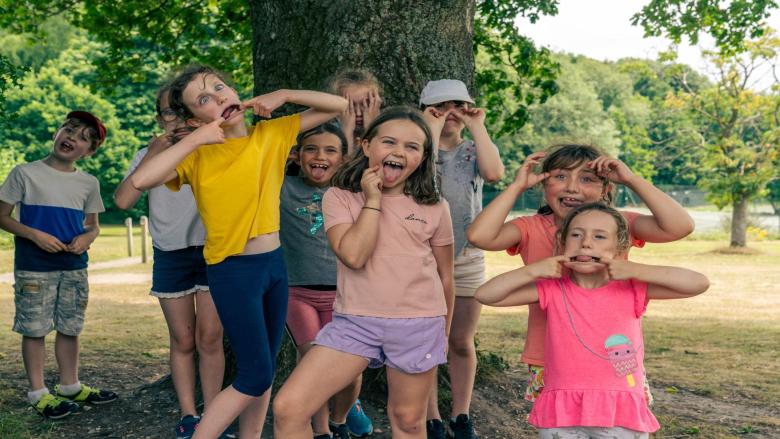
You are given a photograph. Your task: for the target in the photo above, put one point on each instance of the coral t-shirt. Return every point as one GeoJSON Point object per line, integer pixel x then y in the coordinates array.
{"type": "Point", "coordinates": [400, 279]}
{"type": "Point", "coordinates": [537, 242]}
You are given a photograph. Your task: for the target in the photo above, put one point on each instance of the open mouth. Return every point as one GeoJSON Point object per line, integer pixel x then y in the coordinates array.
{"type": "Point", "coordinates": [318, 170]}
{"type": "Point", "coordinates": [584, 258]}
{"type": "Point", "coordinates": [570, 202]}
{"type": "Point", "coordinates": [230, 111]}
{"type": "Point", "coordinates": [66, 146]}
{"type": "Point", "coordinates": [392, 170]}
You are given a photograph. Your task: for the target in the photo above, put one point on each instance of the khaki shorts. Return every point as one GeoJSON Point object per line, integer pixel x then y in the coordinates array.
{"type": "Point", "coordinates": [469, 271]}
{"type": "Point", "coordinates": [48, 300]}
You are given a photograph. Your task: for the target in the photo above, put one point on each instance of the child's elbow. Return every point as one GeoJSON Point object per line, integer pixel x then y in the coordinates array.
{"type": "Point", "coordinates": [482, 297]}
{"type": "Point", "coordinates": [702, 284]}
{"type": "Point", "coordinates": [494, 175]}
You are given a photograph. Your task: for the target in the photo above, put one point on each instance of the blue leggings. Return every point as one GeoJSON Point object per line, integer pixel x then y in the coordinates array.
{"type": "Point", "coordinates": [250, 293]}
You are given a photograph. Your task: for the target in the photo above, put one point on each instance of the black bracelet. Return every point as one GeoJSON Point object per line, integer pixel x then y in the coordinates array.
{"type": "Point", "coordinates": [372, 208]}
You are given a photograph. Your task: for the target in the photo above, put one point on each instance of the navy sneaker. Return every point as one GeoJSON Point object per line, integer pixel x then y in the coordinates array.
{"type": "Point", "coordinates": [89, 395]}
{"type": "Point", "coordinates": [185, 429]}
{"type": "Point", "coordinates": [54, 407]}
{"type": "Point", "coordinates": [462, 427]}
{"type": "Point", "coordinates": [340, 431]}
{"type": "Point", "coordinates": [358, 423]}
{"type": "Point", "coordinates": [435, 429]}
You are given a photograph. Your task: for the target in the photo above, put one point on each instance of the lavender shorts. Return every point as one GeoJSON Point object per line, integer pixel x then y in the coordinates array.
{"type": "Point", "coordinates": [411, 345]}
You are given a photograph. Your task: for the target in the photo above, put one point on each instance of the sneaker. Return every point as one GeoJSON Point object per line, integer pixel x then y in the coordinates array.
{"type": "Point", "coordinates": [89, 395]}
{"type": "Point", "coordinates": [462, 428]}
{"type": "Point", "coordinates": [358, 423]}
{"type": "Point", "coordinates": [185, 429]}
{"type": "Point", "coordinates": [54, 407]}
{"type": "Point", "coordinates": [435, 429]}
{"type": "Point", "coordinates": [340, 431]}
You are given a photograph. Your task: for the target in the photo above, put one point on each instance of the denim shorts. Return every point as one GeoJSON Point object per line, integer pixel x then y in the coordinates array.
{"type": "Point", "coordinates": [176, 273]}
{"type": "Point", "coordinates": [411, 345]}
{"type": "Point", "coordinates": [48, 300]}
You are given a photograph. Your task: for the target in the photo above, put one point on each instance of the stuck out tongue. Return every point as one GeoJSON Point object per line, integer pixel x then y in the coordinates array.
{"type": "Point", "coordinates": [317, 173]}
{"type": "Point", "coordinates": [584, 258]}
{"type": "Point", "coordinates": [391, 173]}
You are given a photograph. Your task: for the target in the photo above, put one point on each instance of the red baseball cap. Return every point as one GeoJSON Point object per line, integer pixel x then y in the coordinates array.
{"type": "Point", "coordinates": [91, 120]}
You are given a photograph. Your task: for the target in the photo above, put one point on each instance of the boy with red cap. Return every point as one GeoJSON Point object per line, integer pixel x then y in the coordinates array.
{"type": "Point", "coordinates": [58, 221]}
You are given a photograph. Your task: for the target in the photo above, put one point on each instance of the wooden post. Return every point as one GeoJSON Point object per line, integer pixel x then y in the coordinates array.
{"type": "Point", "coordinates": [129, 225]}
{"type": "Point", "coordinates": [144, 238]}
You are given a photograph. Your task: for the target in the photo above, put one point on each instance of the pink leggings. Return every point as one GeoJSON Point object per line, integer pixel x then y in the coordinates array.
{"type": "Point", "coordinates": [307, 312]}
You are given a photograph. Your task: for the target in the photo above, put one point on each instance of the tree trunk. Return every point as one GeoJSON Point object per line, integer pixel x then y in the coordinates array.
{"type": "Point", "coordinates": [739, 222]}
{"type": "Point", "coordinates": [300, 44]}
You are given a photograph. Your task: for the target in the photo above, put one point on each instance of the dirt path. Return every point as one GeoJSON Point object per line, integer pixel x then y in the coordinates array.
{"type": "Point", "coordinates": [95, 277]}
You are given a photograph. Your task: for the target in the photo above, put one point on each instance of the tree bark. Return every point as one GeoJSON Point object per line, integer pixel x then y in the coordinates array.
{"type": "Point", "coordinates": [739, 222]}
{"type": "Point", "coordinates": [405, 43]}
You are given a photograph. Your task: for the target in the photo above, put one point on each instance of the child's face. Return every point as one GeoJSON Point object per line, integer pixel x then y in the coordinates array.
{"type": "Point", "coordinates": [319, 158]}
{"type": "Point", "coordinates": [592, 235]}
{"type": "Point", "coordinates": [397, 148]}
{"type": "Point", "coordinates": [72, 141]}
{"type": "Point", "coordinates": [208, 98]}
{"type": "Point", "coordinates": [168, 121]}
{"type": "Point", "coordinates": [453, 125]}
{"type": "Point", "coordinates": [358, 93]}
{"type": "Point", "coordinates": [566, 189]}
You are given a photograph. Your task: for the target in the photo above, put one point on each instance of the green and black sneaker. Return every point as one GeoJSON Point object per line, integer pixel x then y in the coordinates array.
{"type": "Point", "coordinates": [54, 407]}
{"type": "Point", "coordinates": [89, 395]}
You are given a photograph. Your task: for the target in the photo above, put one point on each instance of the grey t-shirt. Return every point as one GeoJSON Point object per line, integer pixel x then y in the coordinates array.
{"type": "Point", "coordinates": [461, 186]}
{"type": "Point", "coordinates": [310, 261]}
{"type": "Point", "coordinates": [174, 221]}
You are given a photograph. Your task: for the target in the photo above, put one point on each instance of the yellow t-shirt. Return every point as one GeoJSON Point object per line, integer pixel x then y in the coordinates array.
{"type": "Point", "coordinates": [237, 184]}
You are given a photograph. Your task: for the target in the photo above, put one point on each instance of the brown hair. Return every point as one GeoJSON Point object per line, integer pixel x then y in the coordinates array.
{"type": "Point", "coordinates": [421, 185]}
{"type": "Point", "coordinates": [94, 137]}
{"type": "Point", "coordinates": [623, 238]}
{"type": "Point", "coordinates": [180, 82]}
{"type": "Point", "coordinates": [570, 156]}
{"type": "Point", "coordinates": [352, 76]}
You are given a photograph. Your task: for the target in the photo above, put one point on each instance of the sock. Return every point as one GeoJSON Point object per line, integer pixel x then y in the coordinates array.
{"type": "Point", "coordinates": [69, 389]}
{"type": "Point", "coordinates": [36, 395]}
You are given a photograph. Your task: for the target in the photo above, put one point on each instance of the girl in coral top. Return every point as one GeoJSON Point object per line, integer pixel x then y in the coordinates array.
{"type": "Point", "coordinates": [594, 349]}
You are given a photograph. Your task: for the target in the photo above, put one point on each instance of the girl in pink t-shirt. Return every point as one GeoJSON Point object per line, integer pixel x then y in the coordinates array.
{"type": "Point", "coordinates": [392, 234]}
{"type": "Point", "coordinates": [572, 175]}
{"type": "Point", "coordinates": [594, 350]}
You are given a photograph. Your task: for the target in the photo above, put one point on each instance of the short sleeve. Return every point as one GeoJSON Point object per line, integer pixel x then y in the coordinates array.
{"type": "Point", "coordinates": [522, 226]}
{"type": "Point", "coordinates": [544, 288]}
{"type": "Point", "coordinates": [639, 289]}
{"type": "Point", "coordinates": [630, 218]}
{"type": "Point", "coordinates": [183, 172]}
{"type": "Point", "coordinates": [94, 204]}
{"type": "Point", "coordinates": [443, 235]}
{"type": "Point", "coordinates": [284, 129]}
{"type": "Point", "coordinates": [12, 190]}
{"type": "Point", "coordinates": [335, 208]}
{"type": "Point", "coordinates": [136, 161]}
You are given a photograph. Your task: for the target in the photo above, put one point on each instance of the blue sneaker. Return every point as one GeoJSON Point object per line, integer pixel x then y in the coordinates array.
{"type": "Point", "coordinates": [357, 421]}
{"type": "Point", "coordinates": [185, 429]}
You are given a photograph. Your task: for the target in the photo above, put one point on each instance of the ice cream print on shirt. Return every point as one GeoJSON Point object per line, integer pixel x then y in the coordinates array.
{"type": "Point", "coordinates": [622, 355]}
{"type": "Point", "coordinates": [314, 211]}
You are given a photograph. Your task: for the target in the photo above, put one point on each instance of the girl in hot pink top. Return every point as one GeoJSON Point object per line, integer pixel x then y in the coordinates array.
{"type": "Point", "coordinates": [572, 175]}
{"type": "Point", "coordinates": [392, 234]}
{"type": "Point", "coordinates": [594, 351]}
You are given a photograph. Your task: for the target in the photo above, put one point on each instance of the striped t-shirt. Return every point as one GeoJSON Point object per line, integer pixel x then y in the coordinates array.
{"type": "Point", "coordinates": [54, 202]}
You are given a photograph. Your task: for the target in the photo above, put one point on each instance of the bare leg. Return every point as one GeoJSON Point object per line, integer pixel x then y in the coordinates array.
{"type": "Point", "coordinates": [463, 355]}
{"type": "Point", "coordinates": [320, 419]}
{"type": "Point", "coordinates": [343, 400]}
{"type": "Point", "coordinates": [252, 418]}
{"type": "Point", "coordinates": [433, 399]}
{"type": "Point", "coordinates": [180, 316]}
{"type": "Point", "coordinates": [408, 397]}
{"type": "Point", "coordinates": [66, 349]}
{"type": "Point", "coordinates": [223, 410]}
{"type": "Point", "coordinates": [34, 356]}
{"type": "Point", "coordinates": [211, 356]}
{"type": "Point", "coordinates": [306, 390]}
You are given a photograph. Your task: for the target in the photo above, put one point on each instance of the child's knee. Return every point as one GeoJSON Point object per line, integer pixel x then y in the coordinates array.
{"type": "Point", "coordinates": [183, 342]}
{"type": "Point", "coordinates": [287, 408]}
{"type": "Point", "coordinates": [410, 420]}
{"type": "Point", "coordinates": [461, 346]}
{"type": "Point", "coordinates": [209, 340]}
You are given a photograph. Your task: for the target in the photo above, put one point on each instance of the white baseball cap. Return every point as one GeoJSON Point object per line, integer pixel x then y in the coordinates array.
{"type": "Point", "coordinates": [444, 90]}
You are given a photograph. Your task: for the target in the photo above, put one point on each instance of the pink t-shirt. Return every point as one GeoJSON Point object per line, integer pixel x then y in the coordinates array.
{"type": "Point", "coordinates": [594, 356]}
{"type": "Point", "coordinates": [537, 241]}
{"type": "Point", "coordinates": [399, 280]}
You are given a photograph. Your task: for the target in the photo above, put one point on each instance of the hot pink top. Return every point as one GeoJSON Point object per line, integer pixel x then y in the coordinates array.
{"type": "Point", "coordinates": [537, 241]}
{"type": "Point", "coordinates": [594, 356]}
{"type": "Point", "coordinates": [399, 279]}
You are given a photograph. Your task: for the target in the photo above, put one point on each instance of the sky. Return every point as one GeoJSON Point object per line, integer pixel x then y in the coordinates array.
{"type": "Point", "coordinates": [601, 29]}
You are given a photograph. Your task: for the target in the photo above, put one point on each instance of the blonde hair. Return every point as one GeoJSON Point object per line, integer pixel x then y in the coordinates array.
{"type": "Point", "coordinates": [352, 76]}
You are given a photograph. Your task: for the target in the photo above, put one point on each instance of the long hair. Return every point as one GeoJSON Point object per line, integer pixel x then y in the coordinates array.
{"type": "Point", "coordinates": [623, 238]}
{"type": "Point", "coordinates": [352, 76]}
{"type": "Point", "coordinates": [421, 184]}
{"type": "Point", "coordinates": [570, 156]}
{"type": "Point", "coordinates": [328, 127]}
{"type": "Point", "coordinates": [180, 82]}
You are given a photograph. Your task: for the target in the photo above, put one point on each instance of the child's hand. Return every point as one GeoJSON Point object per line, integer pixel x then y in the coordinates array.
{"type": "Point", "coordinates": [159, 143]}
{"type": "Point", "coordinates": [435, 119]}
{"type": "Point", "coordinates": [526, 177]}
{"type": "Point", "coordinates": [80, 244]}
{"type": "Point", "coordinates": [620, 269]}
{"type": "Point", "coordinates": [549, 268]}
{"type": "Point", "coordinates": [613, 169]}
{"type": "Point", "coordinates": [48, 242]}
{"type": "Point", "coordinates": [371, 108]}
{"type": "Point", "coordinates": [347, 118]}
{"type": "Point", "coordinates": [211, 133]}
{"type": "Point", "coordinates": [264, 105]}
{"type": "Point", "coordinates": [471, 117]}
{"type": "Point", "coordinates": [371, 183]}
